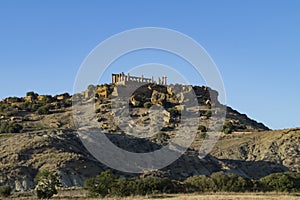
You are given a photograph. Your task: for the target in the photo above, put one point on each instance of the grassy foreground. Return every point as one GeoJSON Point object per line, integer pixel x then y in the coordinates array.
{"type": "Point", "coordinates": [81, 194]}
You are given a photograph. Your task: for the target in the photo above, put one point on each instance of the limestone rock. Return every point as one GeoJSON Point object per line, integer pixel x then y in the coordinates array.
{"type": "Point", "coordinates": [158, 97]}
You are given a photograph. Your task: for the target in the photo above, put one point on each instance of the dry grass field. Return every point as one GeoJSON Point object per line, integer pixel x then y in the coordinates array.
{"type": "Point", "coordinates": [81, 194]}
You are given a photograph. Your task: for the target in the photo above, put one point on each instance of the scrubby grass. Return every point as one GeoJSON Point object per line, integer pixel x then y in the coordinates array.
{"type": "Point", "coordinates": [6, 135]}
{"type": "Point", "coordinates": [81, 194]}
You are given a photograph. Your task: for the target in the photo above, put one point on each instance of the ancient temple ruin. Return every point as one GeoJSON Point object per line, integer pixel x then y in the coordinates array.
{"type": "Point", "coordinates": [122, 79]}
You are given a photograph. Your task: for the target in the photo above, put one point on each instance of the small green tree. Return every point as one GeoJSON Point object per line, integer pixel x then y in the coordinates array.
{"type": "Point", "coordinates": [47, 183]}
{"type": "Point", "coordinates": [228, 127]}
{"type": "Point", "coordinates": [32, 94]}
{"type": "Point", "coordinates": [3, 127]}
{"type": "Point", "coordinates": [14, 128]}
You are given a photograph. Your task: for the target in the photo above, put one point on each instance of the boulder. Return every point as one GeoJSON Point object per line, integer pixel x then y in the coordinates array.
{"type": "Point", "coordinates": [158, 97]}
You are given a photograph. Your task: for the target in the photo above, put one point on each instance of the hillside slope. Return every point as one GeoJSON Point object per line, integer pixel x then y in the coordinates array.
{"type": "Point", "coordinates": [252, 155]}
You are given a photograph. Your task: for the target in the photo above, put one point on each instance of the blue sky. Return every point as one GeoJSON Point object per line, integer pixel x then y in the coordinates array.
{"type": "Point", "coordinates": [255, 45]}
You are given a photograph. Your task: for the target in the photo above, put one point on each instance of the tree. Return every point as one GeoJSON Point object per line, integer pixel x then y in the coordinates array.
{"type": "Point", "coordinates": [280, 182]}
{"type": "Point", "coordinates": [124, 187]}
{"type": "Point", "coordinates": [31, 94]}
{"type": "Point", "coordinates": [154, 185]}
{"type": "Point", "coordinates": [47, 183]}
{"type": "Point", "coordinates": [101, 185]}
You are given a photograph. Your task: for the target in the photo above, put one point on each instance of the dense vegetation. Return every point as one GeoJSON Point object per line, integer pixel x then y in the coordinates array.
{"type": "Point", "coordinates": [34, 102]}
{"type": "Point", "coordinates": [281, 182]}
{"type": "Point", "coordinates": [107, 184]}
{"type": "Point", "coordinates": [47, 183]}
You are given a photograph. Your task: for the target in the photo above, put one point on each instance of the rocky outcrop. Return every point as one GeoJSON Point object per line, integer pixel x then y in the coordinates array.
{"type": "Point", "coordinates": [158, 98]}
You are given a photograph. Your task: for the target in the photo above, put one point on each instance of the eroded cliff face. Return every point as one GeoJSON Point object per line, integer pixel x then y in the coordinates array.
{"type": "Point", "coordinates": [278, 148]}
{"type": "Point", "coordinates": [23, 155]}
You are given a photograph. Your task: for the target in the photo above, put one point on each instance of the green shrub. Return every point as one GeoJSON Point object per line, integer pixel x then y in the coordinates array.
{"type": "Point", "coordinates": [3, 127]}
{"type": "Point", "coordinates": [44, 110]}
{"type": "Point", "coordinates": [218, 182]}
{"type": "Point", "coordinates": [14, 128]}
{"type": "Point", "coordinates": [3, 107]}
{"type": "Point", "coordinates": [47, 99]}
{"type": "Point", "coordinates": [68, 103]}
{"type": "Point", "coordinates": [14, 99]}
{"type": "Point", "coordinates": [231, 182]}
{"type": "Point", "coordinates": [6, 127]}
{"type": "Point", "coordinates": [98, 110]}
{"type": "Point", "coordinates": [5, 191]}
{"type": "Point", "coordinates": [200, 184]}
{"type": "Point", "coordinates": [154, 185]}
{"type": "Point", "coordinates": [228, 127]}
{"type": "Point", "coordinates": [28, 106]}
{"type": "Point", "coordinates": [203, 135]}
{"type": "Point", "coordinates": [202, 128]}
{"type": "Point", "coordinates": [47, 183]}
{"type": "Point", "coordinates": [208, 113]}
{"type": "Point", "coordinates": [124, 187]}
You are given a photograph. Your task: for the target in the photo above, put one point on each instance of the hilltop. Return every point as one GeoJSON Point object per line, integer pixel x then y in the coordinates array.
{"type": "Point", "coordinates": [40, 112]}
